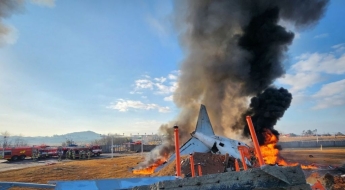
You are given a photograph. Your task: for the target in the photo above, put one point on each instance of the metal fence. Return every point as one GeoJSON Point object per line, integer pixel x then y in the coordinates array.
{"type": "Point", "coordinates": [312, 144]}
{"type": "Point", "coordinates": [127, 148]}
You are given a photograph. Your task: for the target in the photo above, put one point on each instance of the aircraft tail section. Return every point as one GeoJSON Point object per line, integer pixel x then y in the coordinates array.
{"type": "Point", "coordinates": [204, 125]}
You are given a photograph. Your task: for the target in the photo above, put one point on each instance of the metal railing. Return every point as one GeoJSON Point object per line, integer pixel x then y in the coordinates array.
{"type": "Point", "coordinates": [7, 185]}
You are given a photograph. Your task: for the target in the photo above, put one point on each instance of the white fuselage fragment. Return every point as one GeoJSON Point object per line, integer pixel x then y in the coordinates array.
{"type": "Point", "coordinates": [224, 145]}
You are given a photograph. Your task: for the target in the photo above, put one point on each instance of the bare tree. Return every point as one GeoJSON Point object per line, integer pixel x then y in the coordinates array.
{"type": "Point", "coordinates": [19, 141]}
{"type": "Point", "coordinates": [6, 142]}
{"type": "Point", "coordinates": [68, 142]}
{"type": "Point", "coordinates": [339, 134]}
{"type": "Point", "coordinates": [107, 139]}
{"type": "Point", "coordinates": [309, 132]}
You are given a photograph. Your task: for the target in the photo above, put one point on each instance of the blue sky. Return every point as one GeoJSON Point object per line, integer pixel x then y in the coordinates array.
{"type": "Point", "coordinates": [112, 67]}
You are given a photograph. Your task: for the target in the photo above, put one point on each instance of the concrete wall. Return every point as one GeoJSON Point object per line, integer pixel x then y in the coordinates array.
{"type": "Point", "coordinates": [311, 144]}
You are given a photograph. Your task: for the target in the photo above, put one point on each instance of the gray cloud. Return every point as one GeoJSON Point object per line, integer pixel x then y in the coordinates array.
{"type": "Point", "coordinates": [8, 34]}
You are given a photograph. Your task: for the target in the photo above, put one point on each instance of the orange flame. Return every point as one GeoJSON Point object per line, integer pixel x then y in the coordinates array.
{"type": "Point", "coordinates": [150, 169]}
{"type": "Point", "coordinates": [270, 152]}
{"type": "Point", "coordinates": [308, 167]}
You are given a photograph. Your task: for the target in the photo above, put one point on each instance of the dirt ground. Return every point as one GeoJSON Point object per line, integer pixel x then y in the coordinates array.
{"type": "Point", "coordinates": [120, 167]}
{"type": "Point", "coordinates": [326, 156]}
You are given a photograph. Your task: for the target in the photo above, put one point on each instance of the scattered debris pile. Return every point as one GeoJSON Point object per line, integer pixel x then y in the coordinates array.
{"type": "Point", "coordinates": [210, 163]}
{"type": "Point", "coordinates": [332, 180]}
{"type": "Point", "coordinates": [267, 177]}
{"type": "Point", "coordinates": [314, 177]}
{"type": "Point", "coordinates": [336, 182]}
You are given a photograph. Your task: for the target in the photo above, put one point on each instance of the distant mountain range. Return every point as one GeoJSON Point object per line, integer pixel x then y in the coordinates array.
{"type": "Point", "coordinates": [83, 137]}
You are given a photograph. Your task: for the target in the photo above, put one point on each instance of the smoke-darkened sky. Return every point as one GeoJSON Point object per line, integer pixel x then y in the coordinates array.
{"type": "Point", "coordinates": [112, 67]}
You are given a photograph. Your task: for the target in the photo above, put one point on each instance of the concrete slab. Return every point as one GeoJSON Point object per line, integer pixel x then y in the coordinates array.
{"type": "Point", "coordinates": [267, 178]}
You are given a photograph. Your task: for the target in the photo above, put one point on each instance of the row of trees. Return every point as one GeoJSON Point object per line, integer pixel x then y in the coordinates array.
{"type": "Point", "coordinates": [309, 132]}
{"type": "Point", "coordinates": [314, 133]}
{"type": "Point", "coordinates": [104, 140]}
{"type": "Point", "coordinates": [107, 139]}
{"type": "Point", "coordinates": [7, 141]}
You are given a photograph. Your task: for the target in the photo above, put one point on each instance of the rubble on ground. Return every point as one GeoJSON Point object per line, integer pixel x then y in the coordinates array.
{"type": "Point", "coordinates": [210, 163]}
{"type": "Point", "coordinates": [267, 177]}
{"type": "Point", "coordinates": [334, 182]}
{"type": "Point", "coordinates": [330, 181]}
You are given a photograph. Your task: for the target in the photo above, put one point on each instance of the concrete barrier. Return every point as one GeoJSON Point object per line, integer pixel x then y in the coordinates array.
{"type": "Point", "coordinates": [267, 177]}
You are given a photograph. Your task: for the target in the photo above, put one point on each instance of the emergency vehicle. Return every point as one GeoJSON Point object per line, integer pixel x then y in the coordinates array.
{"type": "Point", "coordinates": [17, 153]}
{"type": "Point", "coordinates": [96, 150]}
{"type": "Point", "coordinates": [20, 153]}
{"type": "Point", "coordinates": [48, 151]}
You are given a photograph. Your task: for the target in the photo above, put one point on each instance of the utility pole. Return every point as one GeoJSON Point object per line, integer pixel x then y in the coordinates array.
{"type": "Point", "coordinates": [3, 148]}
{"type": "Point", "coordinates": [112, 147]}
{"type": "Point", "coordinates": [142, 145]}
{"type": "Point", "coordinates": [317, 137]}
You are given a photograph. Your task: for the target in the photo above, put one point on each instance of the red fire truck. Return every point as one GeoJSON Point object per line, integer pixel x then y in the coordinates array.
{"type": "Point", "coordinates": [96, 150]}
{"type": "Point", "coordinates": [20, 153]}
{"type": "Point", "coordinates": [48, 151]}
{"type": "Point", "coordinates": [17, 153]}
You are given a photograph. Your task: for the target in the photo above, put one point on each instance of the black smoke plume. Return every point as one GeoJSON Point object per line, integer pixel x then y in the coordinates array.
{"type": "Point", "coordinates": [266, 109]}
{"type": "Point", "coordinates": [234, 49]}
{"type": "Point", "coordinates": [266, 41]}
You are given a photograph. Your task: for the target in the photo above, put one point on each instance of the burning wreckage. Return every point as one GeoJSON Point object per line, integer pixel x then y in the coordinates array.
{"type": "Point", "coordinates": [217, 165]}
{"type": "Point", "coordinates": [216, 159]}
{"type": "Point", "coordinates": [204, 140]}
{"type": "Point", "coordinates": [235, 50]}
{"type": "Point", "coordinates": [204, 146]}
